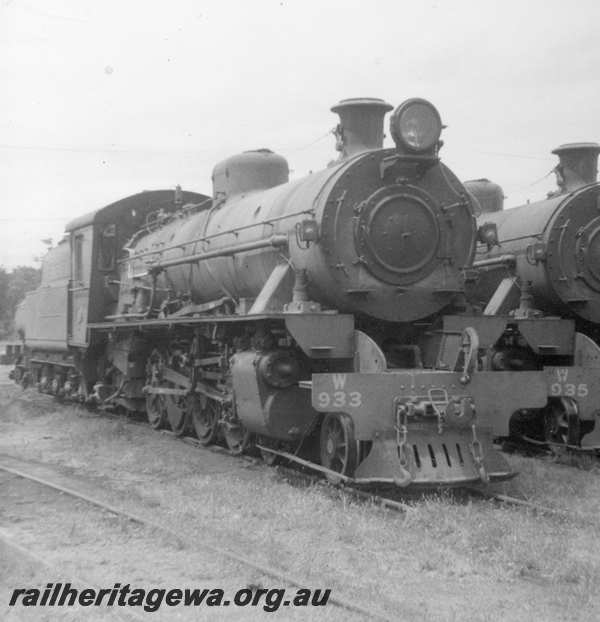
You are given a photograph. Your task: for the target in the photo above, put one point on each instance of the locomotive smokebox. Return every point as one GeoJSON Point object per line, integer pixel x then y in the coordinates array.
{"type": "Point", "coordinates": [578, 165]}
{"type": "Point", "coordinates": [361, 124]}
{"type": "Point", "coordinates": [553, 244]}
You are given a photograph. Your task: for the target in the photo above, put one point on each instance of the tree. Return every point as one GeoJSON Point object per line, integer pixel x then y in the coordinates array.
{"type": "Point", "coordinates": [13, 287]}
{"type": "Point", "coordinates": [4, 302]}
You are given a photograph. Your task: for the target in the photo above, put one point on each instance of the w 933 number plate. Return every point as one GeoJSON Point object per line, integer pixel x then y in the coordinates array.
{"type": "Point", "coordinates": [339, 397]}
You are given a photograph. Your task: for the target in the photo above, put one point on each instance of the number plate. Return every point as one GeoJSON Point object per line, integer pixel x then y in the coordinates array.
{"type": "Point", "coordinates": [564, 381]}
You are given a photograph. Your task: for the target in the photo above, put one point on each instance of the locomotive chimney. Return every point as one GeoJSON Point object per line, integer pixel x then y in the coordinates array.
{"type": "Point", "coordinates": [578, 165]}
{"type": "Point", "coordinates": [361, 125]}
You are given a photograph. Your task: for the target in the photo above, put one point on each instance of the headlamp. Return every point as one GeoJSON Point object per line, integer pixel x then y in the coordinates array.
{"type": "Point", "coordinates": [307, 231]}
{"type": "Point", "coordinates": [416, 126]}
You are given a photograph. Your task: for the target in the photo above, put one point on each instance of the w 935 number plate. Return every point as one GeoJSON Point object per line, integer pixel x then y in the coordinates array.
{"type": "Point", "coordinates": [565, 384]}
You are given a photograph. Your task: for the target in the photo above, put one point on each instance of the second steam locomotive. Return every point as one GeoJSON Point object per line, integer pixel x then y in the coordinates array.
{"type": "Point", "coordinates": [540, 286]}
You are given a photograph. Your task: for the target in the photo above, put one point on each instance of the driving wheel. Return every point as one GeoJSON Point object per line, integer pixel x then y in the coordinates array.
{"type": "Point", "coordinates": [156, 410]}
{"type": "Point", "coordinates": [176, 413]}
{"type": "Point", "coordinates": [205, 417]}
{"type": "Point", "coordinates": [562, 423]}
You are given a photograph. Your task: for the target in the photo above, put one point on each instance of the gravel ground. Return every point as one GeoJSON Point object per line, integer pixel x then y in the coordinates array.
{"type": "Point", "coordinates": [442, 560]}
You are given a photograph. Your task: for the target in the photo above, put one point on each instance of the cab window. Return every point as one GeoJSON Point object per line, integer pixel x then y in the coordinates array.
{"type": "Point", "coordinates": [107, 248]}
{"type": "Point", "coordinates": [78, 258]}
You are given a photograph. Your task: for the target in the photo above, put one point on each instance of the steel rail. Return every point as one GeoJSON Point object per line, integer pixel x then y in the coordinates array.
{"type": "Point", "coordinates": [361, 495]}
{"type": "Point", "coordinates": [534, 507]}
{"type": "Point", "coordinates": [229, 554]}
{"type": "Point", "coordinates": [577, 449]}
{"type": "Point", "coordinates": [399, 506]}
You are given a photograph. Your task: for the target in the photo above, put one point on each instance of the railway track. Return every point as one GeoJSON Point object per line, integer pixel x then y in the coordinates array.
{"type": "Point", "coordinates": [583, 458]}
{"type": "Point", "coordinates": [186, 541]}
{"type": "Point", "coordinates": [295, 473]}
{"type": "Point", "coordinates": [302, 478]}
{"type": "Point", "coordinates": [469, 493]}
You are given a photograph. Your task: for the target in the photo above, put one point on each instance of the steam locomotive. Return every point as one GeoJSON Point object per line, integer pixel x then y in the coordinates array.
{"type": "Point", "coordinates": [541, 279]}
{"type": "Point", "coordinates": [320, 320]}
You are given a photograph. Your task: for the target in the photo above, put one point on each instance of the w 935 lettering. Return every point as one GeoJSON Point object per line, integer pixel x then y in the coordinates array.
{"type": "Point", "coordinates": [568, 389]}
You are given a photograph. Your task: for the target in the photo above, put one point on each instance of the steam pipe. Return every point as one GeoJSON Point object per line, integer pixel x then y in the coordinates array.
{"type": "Point", "coordinates": [495, 261]}
{"type": "Point", "coordinates": [209, 238]}
{"type": "Point", "coordinates": [275, 241]}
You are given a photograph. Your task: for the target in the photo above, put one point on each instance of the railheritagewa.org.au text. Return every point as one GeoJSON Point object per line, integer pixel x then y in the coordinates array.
{"type": "Point", "coordinates": [152, 599]}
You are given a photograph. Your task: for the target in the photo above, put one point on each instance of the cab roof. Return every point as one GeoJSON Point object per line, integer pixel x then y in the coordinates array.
{"type": "Point", "coordinates": [145, 201]}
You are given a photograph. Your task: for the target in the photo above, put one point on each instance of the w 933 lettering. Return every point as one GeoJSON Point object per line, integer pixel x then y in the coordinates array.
{"type": "Point", "coordinates": [562, 386]}
{"type": "Point", "coordinates": [338, 396]}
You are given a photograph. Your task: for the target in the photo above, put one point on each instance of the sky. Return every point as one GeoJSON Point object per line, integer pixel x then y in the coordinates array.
{"type": "Point", "coordinates": [101, 100]}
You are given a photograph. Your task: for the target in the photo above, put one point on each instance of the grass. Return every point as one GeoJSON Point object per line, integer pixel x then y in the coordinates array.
{"type": "Point", "coordinates": [443, 559]}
